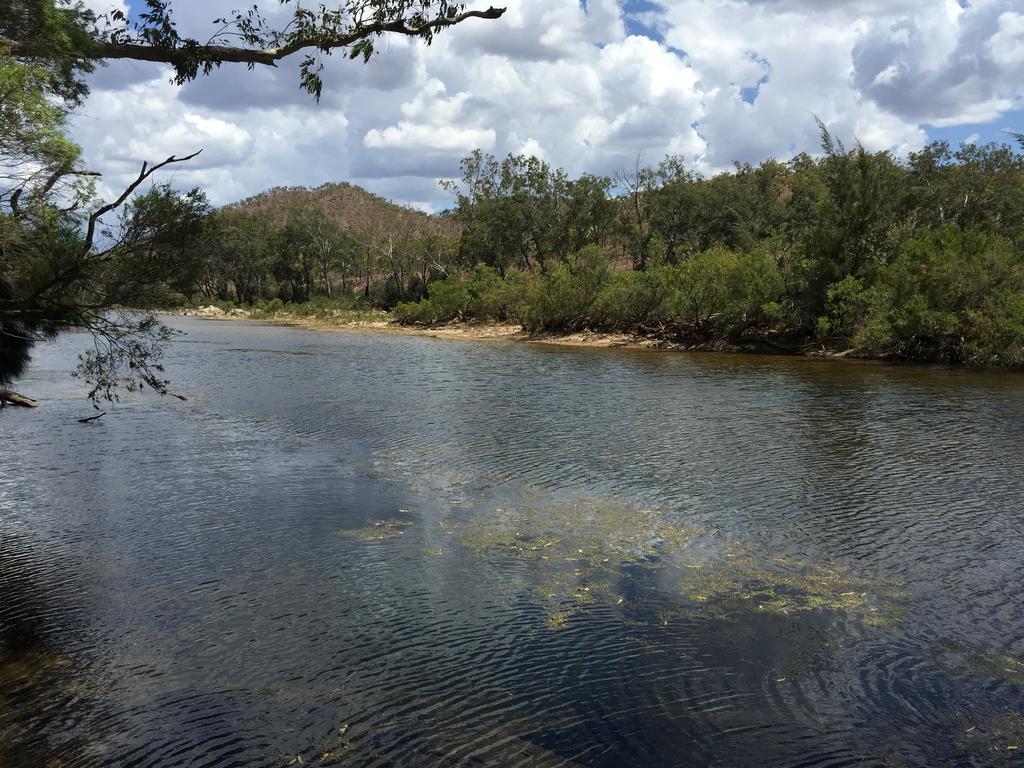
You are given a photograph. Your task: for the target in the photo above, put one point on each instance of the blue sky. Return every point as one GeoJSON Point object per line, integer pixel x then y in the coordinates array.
{"type": "Point", "coordinates": [999, 130]}
{"type": "Point", "coordinates": [589, 86]}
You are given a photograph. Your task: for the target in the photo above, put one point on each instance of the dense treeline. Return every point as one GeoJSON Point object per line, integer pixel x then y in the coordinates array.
{"type": "Point", "coordinates": [856, 251]}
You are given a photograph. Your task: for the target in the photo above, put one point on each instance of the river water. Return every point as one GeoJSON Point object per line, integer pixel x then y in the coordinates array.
{"type": "Point", "coordinates": [379, 550]}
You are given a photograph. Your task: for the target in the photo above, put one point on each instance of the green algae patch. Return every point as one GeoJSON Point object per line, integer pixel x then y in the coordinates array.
{"type": "Point", "coordinates": [784, 587]}
{"type": "Point", "coordinates": [997, 739]}
{"type": "Point", "coordinates": [959, 658]}
{"type": "Point", "coordinates": [30, 680]}
{"type": "Point", "coordinates": [336, 749]}
{"type": "Point", "coordinates": [558, 620]}
{"type": "Point", "coordinates": [576, 549]}
{"type": "Point", "coordinates": [582, 531]}
{"type": "Point", "coordinates": [379, 531]}
{"type": "Point", "coordinates": [27, 668]}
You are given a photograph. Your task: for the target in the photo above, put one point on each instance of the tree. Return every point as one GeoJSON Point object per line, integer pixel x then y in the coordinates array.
{"type": "Point", "coordinates": [673, 209]}
{"type": "Point", "coordinates": [494, 220]}
{"type": "Point", "coordinates": [29, 29]}
{"type": "Point", "coordinates": [589, 213]}
{"type": "Point", "coordinates": [239, 251]}
{"type": "Point", "coordinates": [854, 229]}
{"type": "Point", "coordinates": [63, 264]}
{"type": "Point", "coordinates": [329, 245]}
{"type": "Point", "coordinates": [637, 185]}
{"type": "Point", "coordinates": [522, 213]}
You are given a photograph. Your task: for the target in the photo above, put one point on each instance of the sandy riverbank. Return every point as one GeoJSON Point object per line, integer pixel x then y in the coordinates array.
{"type": "Point", "coordinates": [464, 331]}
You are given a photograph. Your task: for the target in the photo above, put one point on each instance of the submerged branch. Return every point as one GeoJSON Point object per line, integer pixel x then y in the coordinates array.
{"type": "Point", "coordinates": [8, 396]}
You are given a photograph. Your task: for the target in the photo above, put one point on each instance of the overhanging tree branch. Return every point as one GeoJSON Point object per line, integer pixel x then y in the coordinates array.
{"type": "Point", "coordinates": [188, 56]}
{"type": "Point", "coordinates": [145, 173]}
{"type": "Point", "coordinates": [270, 56]}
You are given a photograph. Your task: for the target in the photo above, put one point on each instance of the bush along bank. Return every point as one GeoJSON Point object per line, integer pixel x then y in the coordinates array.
{"type": "Point", "coordinates": [949, 295]}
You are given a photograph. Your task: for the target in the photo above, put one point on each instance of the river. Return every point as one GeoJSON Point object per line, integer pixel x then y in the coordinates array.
{"type": "Point", "coordinates": [368, 549]}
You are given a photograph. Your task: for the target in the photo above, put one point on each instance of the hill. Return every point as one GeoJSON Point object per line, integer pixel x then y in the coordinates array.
{"type": "Point", "coordinates": [352, 207]}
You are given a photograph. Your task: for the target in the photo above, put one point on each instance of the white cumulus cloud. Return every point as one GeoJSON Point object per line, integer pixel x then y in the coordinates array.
{"type": "Point", "coordinates": [585, 86]}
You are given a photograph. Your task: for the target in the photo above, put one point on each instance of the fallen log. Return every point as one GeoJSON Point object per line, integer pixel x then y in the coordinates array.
{"type": "Point", "coordinates": [9, 396]}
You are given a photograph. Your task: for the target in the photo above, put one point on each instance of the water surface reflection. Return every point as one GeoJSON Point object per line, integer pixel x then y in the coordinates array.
{"type": "Point", "coordinates": [378, 550]}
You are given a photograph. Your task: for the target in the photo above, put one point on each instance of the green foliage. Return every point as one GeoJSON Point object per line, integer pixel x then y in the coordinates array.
{"type": "Point", "coordinates": [66, 38]}
{"type": "Point", "coordinates": [953, 295]}
{"type": "Point", "coordinates": [854, 230]}
{"type": "Point", "coordinates": [717, 292]}
{"type": "Point", "coordinates": [562, 300]}
{"type": "Point", "coordinates": [721, 291]}
{"type": "Point", "coordinates": [846, 304]}
{"type": "Point", "coordinates": [56, 38]}
{"type": "Point", "coordinates": [482, 295]}
{"type": "Point", "coordinates": [128, 357]}
{"type": "Point", "coordinates": [31, 126]}
{"type": "Point", "coordinates": [632, 301]}
{"type": "Point", "coordinates": [855, 251]}
{"type": "Point", "coordinates": [386, 293]}
{"type": "Point", "coordinates": [522, 214]}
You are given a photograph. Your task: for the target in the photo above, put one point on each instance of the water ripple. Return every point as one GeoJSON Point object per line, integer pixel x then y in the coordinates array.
{"type": "Point", "coordinates": [174, 589]}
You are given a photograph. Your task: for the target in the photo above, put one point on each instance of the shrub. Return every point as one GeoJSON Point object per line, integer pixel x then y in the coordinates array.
{"type": "Point", "coordinates": [997, 331]}
{"type": "Point", "coordinates": [951, 295]}
{"type": "Point", "coordinates": [846, 304]}
{"type": "Point", "coordinates": [720, 291]}
{"type": "Point", "coordinates": [561, 300]}
{"type": "Point", "coordinates": [386, 294]}
{"type": "Point", "coordinates": [422, 312]}
{"type": "Point", "coordinates": [630, 301]}
{"type": "Point", "coordinates": [494, 298]}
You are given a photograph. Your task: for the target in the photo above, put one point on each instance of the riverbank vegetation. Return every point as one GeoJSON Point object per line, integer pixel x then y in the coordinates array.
{"type": "Point", "coordinates": [856, 253]}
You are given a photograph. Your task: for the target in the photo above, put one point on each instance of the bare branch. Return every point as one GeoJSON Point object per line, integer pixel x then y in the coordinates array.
{"type": "Point", "coordinates": [144, 174]}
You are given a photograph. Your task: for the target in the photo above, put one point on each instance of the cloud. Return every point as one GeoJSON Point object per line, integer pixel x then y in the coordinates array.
{"type": "Point", "coordinates": [944, 65]}
{"type": "Point", "coordinates": [580, 85]}
{"type": "Point", "coordinates": [434, 121]}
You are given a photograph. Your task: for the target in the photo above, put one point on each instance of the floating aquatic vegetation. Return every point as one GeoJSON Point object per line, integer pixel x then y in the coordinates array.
{"type": "Point", "coordinates": [582, 531]}
{"type": "Point", "coordinates": [985, 662]}
{"type": "Point", "coordinates": [576, 546]}
{"type": "Point", "coordinates": [567, 592]}
{"type": "Point", "coordinates": [26, 668]}
{"type": "Point", "coordinates": [336, 748]}
{"type": "Point", "coordinates": [382, 529]}
{"type": "Point", "coordinates": [558, 620]}
{"type": "Point", "coordinates": [781, 586]}
{"type": "Point", "coordinates": [997, 739]}
{"type": "Point", "coordinates": [31, 681]}
{"type": "Point", "coordinates": [583, 546]}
